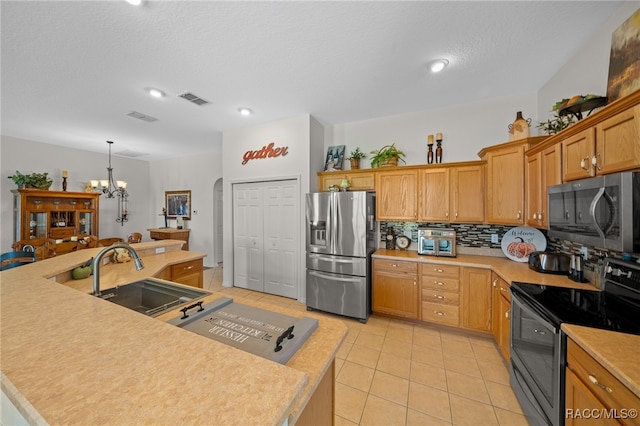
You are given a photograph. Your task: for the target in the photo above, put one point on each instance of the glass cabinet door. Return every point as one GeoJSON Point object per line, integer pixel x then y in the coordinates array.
{"type": "Point", "coordinates": [38, 225]}
{"type": "Point", "coordinates": [85, 222]}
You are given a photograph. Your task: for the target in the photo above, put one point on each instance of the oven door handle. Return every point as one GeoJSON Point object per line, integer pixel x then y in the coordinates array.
{"type": "Point", "coordinates": [533, 311]}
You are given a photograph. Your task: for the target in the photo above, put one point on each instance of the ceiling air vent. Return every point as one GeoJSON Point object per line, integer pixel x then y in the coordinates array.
{"type": "Point", "coordinates": [142, 117]}
{"type": "Point", "coordinates": [193, 99]}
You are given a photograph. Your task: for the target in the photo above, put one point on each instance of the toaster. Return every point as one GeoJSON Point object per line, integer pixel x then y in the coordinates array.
{"type": "Point", "coordinates": [549, 263]}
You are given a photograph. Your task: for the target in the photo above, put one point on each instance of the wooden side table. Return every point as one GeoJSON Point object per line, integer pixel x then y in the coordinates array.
{"type": "Point", "coordinates": [170, 234]}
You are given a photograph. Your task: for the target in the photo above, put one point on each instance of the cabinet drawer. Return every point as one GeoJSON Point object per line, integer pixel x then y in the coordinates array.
{"type": "Point", "coordinates": [37, 204]}
{"type": "Point", "coordinates": [400, 267]}
{"type": "Point", "coordinates": [440, 313]}
{"type": "Point", "coordinates": [599, 380]}
{"type": "Point", "coordinates": [154, 235]}
{"type": "Point", "coordinates": [439, 270]}
{"type": "Point", "coordinates": [440, 283]}
{"type": "Point", "coordinates": [185, 268]}
{"type": "Point", "coordinates": [194, 280]}
{"type": "Point", "coordinates": [438, 296]}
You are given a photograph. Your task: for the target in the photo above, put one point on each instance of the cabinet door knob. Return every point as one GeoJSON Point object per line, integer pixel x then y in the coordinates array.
{"type": "Point", "coordinates": [519, 215]}
{"type": "Point", "coordinates": [495, 283]}
{"type": "Point", "coordinates": [594, 161]}
{"type": "Point", "coordinates": [506, 314]}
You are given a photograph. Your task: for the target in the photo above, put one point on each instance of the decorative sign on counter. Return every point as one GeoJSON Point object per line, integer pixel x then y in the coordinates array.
{"type": "Point", "coordinates": [264, 333]}
{"type": "Point", "coordinates": [267, 151]}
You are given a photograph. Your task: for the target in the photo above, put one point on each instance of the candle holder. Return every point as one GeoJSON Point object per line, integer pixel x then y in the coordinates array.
{"type": "Point", "coordinates": [430, 154]}
{"type": "Point", "coordinates": [439, 148]}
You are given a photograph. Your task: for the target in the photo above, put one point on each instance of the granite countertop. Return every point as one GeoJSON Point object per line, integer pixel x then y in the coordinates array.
{"type": "Point", "coordinates": [618, 352]}
{"type": "Point", "coordinates": [71, 358]}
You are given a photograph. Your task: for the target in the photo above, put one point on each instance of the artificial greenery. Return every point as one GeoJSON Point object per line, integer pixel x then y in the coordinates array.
{"type": "Point", "coordinates": [385, 154]}
{"type": "Point", "coordinates": [558, 123]}
{"type": "Point", "coordinates": [34, 180]}
{"type": "Point", "coordinates": [356, 154]}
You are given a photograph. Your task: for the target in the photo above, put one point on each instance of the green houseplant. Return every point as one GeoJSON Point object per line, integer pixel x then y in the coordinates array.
{"type": "Point", "coordinates": [355, 157]}
{"type": "Point", "coordinates": [388, 155]}
{"type": "Point", "coordinates": [34, 180]}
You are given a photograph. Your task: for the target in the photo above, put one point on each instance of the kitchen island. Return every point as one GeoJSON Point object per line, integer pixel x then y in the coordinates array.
{"type": "Point", "coordinates": [71, 358]}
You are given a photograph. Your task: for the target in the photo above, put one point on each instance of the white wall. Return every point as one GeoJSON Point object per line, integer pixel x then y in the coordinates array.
{"type": "Point", "coordinates": [466, 130]}
{"type": "Point", "coordinates": [197, 173]}
{"type": "Point", "coordinates": [29, 157]}
{"type": "Point", "coordinates": [588, 70]}
{"type": "Point", "coordinates": [294, 133]}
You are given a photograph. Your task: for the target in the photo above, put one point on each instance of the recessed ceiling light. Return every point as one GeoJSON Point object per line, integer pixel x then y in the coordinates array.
{"type": "Point", "coordinates": [438, 65]}
{"type": "Point", "coordinates": [156, 93]}
{"type": "Point", "coordinates": [134, 2]}
{"type": "Point", "coordinates": [245, 111]}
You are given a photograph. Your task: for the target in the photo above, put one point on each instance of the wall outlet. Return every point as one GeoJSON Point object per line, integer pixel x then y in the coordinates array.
{"type": "Point", "coordinates": [494, 238]}
{"type": "Point", "coordinates": [584, 252]}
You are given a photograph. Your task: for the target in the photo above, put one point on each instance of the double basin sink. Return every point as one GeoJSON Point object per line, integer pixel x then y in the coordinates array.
{"type": "Point", "coordinates": [151, 297]}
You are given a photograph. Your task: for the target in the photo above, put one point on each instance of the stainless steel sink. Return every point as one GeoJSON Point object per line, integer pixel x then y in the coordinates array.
{"type": "Point", "coordinates": [151, 297]}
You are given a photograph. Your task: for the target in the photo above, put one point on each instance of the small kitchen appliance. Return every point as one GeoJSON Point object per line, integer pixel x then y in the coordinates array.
{"type": "Point", "coordinates": [437, 242]}
{"type": "Point", "coordinates": [549, 263]}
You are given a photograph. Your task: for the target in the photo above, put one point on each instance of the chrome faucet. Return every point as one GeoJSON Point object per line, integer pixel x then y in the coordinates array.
{"type": "Point", "coordinates": [98, 260]}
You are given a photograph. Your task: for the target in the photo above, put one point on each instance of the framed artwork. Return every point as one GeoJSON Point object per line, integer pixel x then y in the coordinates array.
{"type": "Point", "coordinates": [624, 67]}
{"type": "Point", "coordinates": [178, 203]}
{"type": "Point", "coordinates": [334, 159]}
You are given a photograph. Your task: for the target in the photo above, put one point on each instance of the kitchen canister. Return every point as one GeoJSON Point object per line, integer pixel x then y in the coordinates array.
{"type": "Point", "coordinates": [519, 129]}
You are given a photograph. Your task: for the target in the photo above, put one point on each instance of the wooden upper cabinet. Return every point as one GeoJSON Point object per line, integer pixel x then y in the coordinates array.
{"type": "Point", "coordinates": [434, 195]}
{"type": "Point", "coordinates": [505, 185]}
{"type": "Point", "coordinates": [577, 152]}
{"type": "Point", "coordinates": [542, 169]}
{"type": "Point", "coordinates": [397, 194]}
{"type": "Point", "coordinates": [359, 180]}
{"type": "Point", "coordinates": [467, 194]}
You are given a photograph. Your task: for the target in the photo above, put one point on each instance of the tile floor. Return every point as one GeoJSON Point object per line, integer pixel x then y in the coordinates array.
{"type": "Point", "coordinates": [391, 372]}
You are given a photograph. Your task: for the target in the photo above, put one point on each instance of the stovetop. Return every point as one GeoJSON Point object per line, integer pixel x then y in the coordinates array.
{"type": "Point", "coordinates": [616, 307]}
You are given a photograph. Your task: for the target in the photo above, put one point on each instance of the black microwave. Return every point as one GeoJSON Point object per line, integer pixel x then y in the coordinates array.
{"type": "Point", "coordinates": [602, 211]}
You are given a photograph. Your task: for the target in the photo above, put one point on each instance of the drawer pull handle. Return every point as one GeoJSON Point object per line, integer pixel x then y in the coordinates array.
{"type": "Point", "coordinates": [188, 267]}
{"type": "Point", "coordinates": [593, 379]}
{"type": "Point", "coordinates": [438, 270]}
{"type": "Point", "coordinates": [394, 265]}
{"type": "Point", "coordinates": [437, 296]}
{"type": "Point", "coordinates": [540, 332]}
{"type": "Point", "coordinates": [503, 289]}
{"type": "Point", "coordinates": [439, 283]}
{"type": "Point", "coordinates": [441, 314]}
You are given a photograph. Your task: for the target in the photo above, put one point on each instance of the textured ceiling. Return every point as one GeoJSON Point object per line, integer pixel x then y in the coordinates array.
{"type": "Point", "coordinates": [73, 70]}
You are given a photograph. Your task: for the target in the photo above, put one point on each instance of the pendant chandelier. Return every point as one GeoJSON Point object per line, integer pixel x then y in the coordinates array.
{"type": "Point", "coordinates": [114, 189]}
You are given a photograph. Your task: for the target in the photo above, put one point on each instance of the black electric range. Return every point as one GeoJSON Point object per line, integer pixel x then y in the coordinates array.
{"type": "Point", "coordinates": [616, 307]}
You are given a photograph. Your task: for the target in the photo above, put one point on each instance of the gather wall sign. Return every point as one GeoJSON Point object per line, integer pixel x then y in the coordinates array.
{"type": "Point", "coordinates": [267, 151]}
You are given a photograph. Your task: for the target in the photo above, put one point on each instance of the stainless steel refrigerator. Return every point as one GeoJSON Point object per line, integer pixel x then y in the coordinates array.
{"type": "Point", "coordinates": [341, 235]}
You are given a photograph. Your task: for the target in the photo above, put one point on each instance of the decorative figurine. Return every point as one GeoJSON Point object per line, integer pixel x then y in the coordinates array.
{"type": "Point", "coordinates": [439, 148]}
{"type": "Point", "coordinates": [430, 151]}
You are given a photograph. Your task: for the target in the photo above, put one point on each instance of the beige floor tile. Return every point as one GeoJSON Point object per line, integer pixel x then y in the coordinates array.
{"type": "Point", "coordinates": [429, 375]}
{"type": "Point", "coordinates": [363, 356]}
{"type": "Point", "coordinates": [369, 340]}
{"type": "Point", "coordinates": [422, 329]}
{"type": "Point", "coordinates": [456, 346]}
{"type": "Point", "coordinates": [397, 347]}
{"type": "Point", "coordinates": [455, 334]}
{"type": "Point", "coordinates": [463, 365]}
{"type": "Point", "coordinates": [377, 330]}
{"type": "Point", "coordinates": [391, 388]}
{"type": "Point", "coordinates": [349, 402]}
{"type": "Point", "coordinates": [356, 376]}
{"type": "Point", "coordinates": [351, 336]}
{"type": "Point", "coordinates": [494, 372]}
{"type": "Point", "coordinates": [509, 418]}
{"type": "Point", "coordinates": [416, 418]}
{"type": "Point", "coordinates": [469, 412]}
{"type": "Point", "coordinates": [428, 400]}
{"type": "Point", "coordinates": [482, 341]}
{"type": "Point", "coordinates": [343, 350]}
{"type": "Point", "coordinates": [467, 386]}
{"type": "Point", "coordinates": [429, 341]}
{"type": "Point", "coordinates": [377, 321]}
{"type": "Point", "coordinates": [392, 364]}
{"type": "Point", "coordinates": [380, 412]}
{"type": "Point", "coordinates": [487, 353]}
{"type": "Point", "coordinates": [427, 356]}
{"type": "Point", "coordinates": [401, 325]}
{"type": "Point", "coordinates": [502, 396]}
{"type": "Point", "coordinates": [341, 421]}
{"type": "Point", "coordinates": [400, 334]}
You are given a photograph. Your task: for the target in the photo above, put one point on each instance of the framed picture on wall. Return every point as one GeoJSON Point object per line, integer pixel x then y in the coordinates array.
{"type": "Point", "coordinates": [178, 203]}
{"type": "Point", "coordinates": [624, 67]}
{"type": "Point", "coordinates": [334, 159]}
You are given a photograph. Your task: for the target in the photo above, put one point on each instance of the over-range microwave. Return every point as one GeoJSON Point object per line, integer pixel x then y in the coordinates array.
{"type": "Point", "coordinates": [602, 211]}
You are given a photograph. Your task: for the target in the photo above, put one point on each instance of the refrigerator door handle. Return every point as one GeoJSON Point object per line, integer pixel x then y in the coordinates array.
{"type": "Point", "coordinates": [330, 258]}
{"type": "Point", "coordinates": [333, 222]}
{"type": "Point", "coordinates": [335, 277]}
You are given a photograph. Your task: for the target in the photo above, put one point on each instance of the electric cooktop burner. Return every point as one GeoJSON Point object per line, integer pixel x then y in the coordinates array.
{"type": "Point", "coordinates": [616, 307]}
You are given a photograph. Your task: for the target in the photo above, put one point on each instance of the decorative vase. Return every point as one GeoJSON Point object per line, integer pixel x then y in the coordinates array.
{"type": "Point", "coordinates": [355, 163]}
{"type": "Point", "coordinates": [519, 129]}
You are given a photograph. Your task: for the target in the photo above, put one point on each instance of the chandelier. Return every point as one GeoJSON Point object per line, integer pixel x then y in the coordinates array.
{"type": "Point", "coordinates": [114, 189]}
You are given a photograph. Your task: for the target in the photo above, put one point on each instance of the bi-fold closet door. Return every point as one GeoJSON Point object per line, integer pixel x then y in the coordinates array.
{"type": "Point", "coordinates": [266, 241]}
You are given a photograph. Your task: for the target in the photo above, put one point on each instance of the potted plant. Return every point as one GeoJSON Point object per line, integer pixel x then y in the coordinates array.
{"type": "Point", "coordinates": [388, 155]}
{"type": "Point", "coordinates": [34, 180]}
{"type": "Point", "coordinates": [355, 157]}
{"type": "Point", "coordinates": [558, 122]}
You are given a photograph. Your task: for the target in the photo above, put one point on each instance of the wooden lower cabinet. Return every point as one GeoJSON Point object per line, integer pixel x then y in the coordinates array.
{"type": "Point", "coordinates": [187, 273]}
{"type": "Point", "coordinates": [440, 293]}
{"type": "Point", "coordinates": [592, 389]}
{"type": "Point", "coordinates": [394, 288]}
{"type": "Point", "coordinates": [475, 299]}
{"type": "Point", "coordinates": [501, 313]}
{"type": "Point", "coordinates": [320, 409]}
